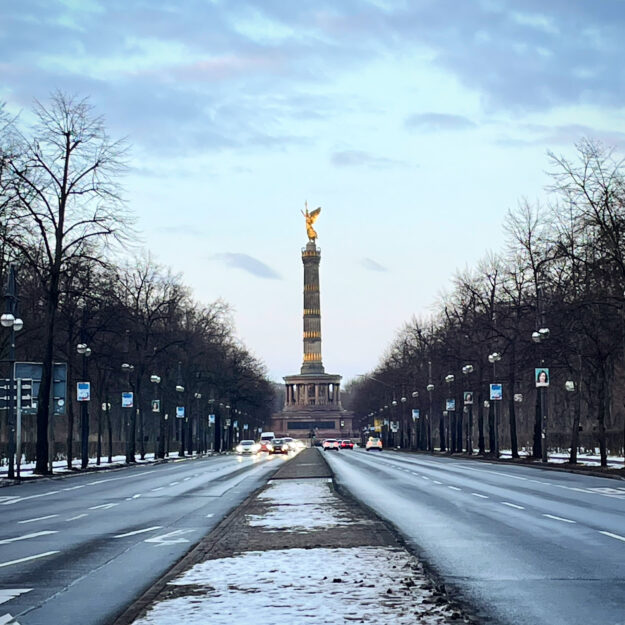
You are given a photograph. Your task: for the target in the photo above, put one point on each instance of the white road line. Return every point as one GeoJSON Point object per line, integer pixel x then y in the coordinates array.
{"type": "Point", "coordinates": [6, 594]}
{"type": "Point", "coordinates": [558, 518]}
{"type": "Point", "coordinates": [425, 478]}
{"type": "Point", "coordinates": [115, 479]}
{"type": "Point", "coordinates": [39, 518]}
{"type": "Point", "coordinates": [7, 619]}
{"type": "Point", "coordinates": [104, 506]}
{"type": "Point", "coordinates": [75, 487]}
{"type": "Point", "coordinates": [436, 482]}
{"type": "Point", "coordinates": [173, 483]}
{"type": "Point", "coordinates": [511, 505]}
{"type": "Point", "coordinates": [454, 488]}
{"type": "Point", "coordinates": [147, 529]}
{"type": "Point", "coordinates": [186, 478]}
{"type": "Point", "coordinates": [611, 535]}
{"type": "Point", "coordinates": [136, 496]}
{"type": "Point", "coordinates": [208, 516]}
{"type": "Point", "coordinates": [480, 496]}
{"type": "Point", "coordinates": [12, 501]}
{"type": "Point", "coordinates": [75, 518]}
{"type": "Point", "coordinates": [155, 489]}
{"type": "Point", "coordinates": [35, 557]}
{"type": "Point", "coordinates": [6, 541]}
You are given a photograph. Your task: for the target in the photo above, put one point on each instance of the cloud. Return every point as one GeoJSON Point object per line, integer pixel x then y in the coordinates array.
{"type": "Point", "coordinates": [568, 134]}
{"type": "Point", "coordinates": [358, 158]}
{"type": "Point", "coordinates": [432, 122]}
{"type": "Point", "coordinates": [247, 263]}
{"type": "Point", "coordinates": [372, 265]}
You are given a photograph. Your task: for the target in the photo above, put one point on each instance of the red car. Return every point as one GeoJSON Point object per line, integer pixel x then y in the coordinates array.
{"type": "Point", "coordinates": [346, 445]}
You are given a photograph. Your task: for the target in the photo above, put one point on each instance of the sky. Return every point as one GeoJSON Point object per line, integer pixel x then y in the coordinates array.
{"type": "Point", "coordinates": [415, 125]}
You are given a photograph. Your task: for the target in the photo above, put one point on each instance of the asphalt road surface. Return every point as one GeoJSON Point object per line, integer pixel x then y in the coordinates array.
{"type": "Point", "coordinates": [523, 545]}
{"type": "Point", "coordinates": [78, 550]}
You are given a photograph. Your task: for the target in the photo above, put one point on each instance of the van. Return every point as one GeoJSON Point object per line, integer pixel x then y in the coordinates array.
{"type": "Point", "coordinates": [265, 441]}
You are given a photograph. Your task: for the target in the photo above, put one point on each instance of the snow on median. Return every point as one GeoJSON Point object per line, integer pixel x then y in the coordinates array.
{"type": "Point", "coordinates": [330, 586]}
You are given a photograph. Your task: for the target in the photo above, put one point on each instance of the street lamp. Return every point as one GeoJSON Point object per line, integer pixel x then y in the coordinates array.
{"type": "Point", "coordinates": [127, 368]}
{"type": "Point", "coordinates": [179, 419]}
{"type": "Point", "coordinates": [11, 321]}
{"type": "Point", "coordinates": [494, 358]}
{"type": "Point", "coordinates": [451, 412]}
{"type": "Point", "coordinates": [429, 388]}
{"type": "Point", "coordinates": [85, 351]}
{"type": "Point", "coordinates": [156, 408]}
{"type": "Point", "coordinates": [468, 370]}
{"type": "Point", "coordinates": [539, 337]}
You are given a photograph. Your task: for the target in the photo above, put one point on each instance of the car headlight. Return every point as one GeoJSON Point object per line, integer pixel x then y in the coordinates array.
{"type": "Point", "coordinates": [239, 448]}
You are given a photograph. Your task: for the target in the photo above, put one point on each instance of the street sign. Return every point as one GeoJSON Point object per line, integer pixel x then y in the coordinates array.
{"type": "Point", "coordinates": [83, 391]}
{"type": "Point", "coordinates": [58, 392]}
{"type": "Point", "coordinates": [415, 414]}
{"type": "Point", "coordinates": [235, 424]}
{"type": "Point", "coordinates": [26, 393]}
{"type": "Point", "coordinates": [245, 426]}
{"type": "Point", "coordinates": [211, 419]}
{"type": "Point", "coordinates": [542, 377]}
{"type": "Point", "coordinates": [127, 400]}
{"type": "Point", "coordinates": [496, 392]}
{"type": "Point", "coordinates": [468, 398]}
{"type": "Point", "coordinates": [228, 423]}
{"type": "Point", "coordinates": [450, 405]}
{"type": "Point", "coordinates": [156, 405]}
{"type": "Point", "coordinates": [179, 412]}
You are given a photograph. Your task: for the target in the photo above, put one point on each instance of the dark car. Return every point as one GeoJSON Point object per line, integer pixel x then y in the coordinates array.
{"type": "Point", "coordinates": [347, 445]}
{"type": "Point", "coordinates": [279, 446]}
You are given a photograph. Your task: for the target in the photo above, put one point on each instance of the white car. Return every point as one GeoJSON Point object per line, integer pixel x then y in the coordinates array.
{"type": "Point", "coordinates": [331, 443]}
{"type": "Point", "coordinates": [247, 447]}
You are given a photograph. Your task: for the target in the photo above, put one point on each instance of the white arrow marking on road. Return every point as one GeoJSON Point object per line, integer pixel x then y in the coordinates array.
{"type": "Point", "coordinates": [35, 557]}
{"type": "Point", "coordinates": [169, 539]}
{"type": "Point", "coordinates": [7, 498]}
{"type": "Point", "coordinates": [104, 506]}
{"type": "Point", "coordinates": [6, 594]}
{"type": "Point", "coordinates": [6, 541]}
{"type": "Point", "coordinates": [39, 518]}
{"type": "Point", "coordinates": [16, 499]}
{"type": "Point", "coordinates": [147, 529]}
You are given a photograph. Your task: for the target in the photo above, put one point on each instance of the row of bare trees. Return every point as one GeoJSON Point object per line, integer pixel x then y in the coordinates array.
{"type": "Point", "coordinates": [63, 225]}
{"type": "Point", "coordinates": [563, 272]}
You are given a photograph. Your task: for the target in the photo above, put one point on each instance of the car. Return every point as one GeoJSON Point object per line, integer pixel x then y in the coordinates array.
{"type": "Point", "coordinates": [373, 443]}
{"type": "Point", "coordinates": [346, 445]}
{"type": "Point", "coordinates": [247, 447]}
{"type": "Point", "coordinates": [290, 442]}
{"type": "Point", "coordinates": [331, 443]}
{"type": "Point", "coordinates": [279, 446]}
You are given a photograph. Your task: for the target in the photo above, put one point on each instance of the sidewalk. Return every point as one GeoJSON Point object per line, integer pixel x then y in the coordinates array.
{"type": "Point", "coordinates": [297, 552]}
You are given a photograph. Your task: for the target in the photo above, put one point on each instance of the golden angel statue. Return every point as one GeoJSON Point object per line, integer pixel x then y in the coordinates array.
{"type": "Point", "coordinates": [310, 220]}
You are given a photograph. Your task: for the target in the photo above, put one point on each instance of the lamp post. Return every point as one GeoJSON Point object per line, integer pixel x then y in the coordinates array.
{"type": "Point", "coordinates": [198, 420]}
{"type": "Point", "coordinates": [215, 424]}
{"type": "Point", "coordinates": [451, 411]}
{"type": "Point", "coordinates": [494, 358]}
{"type": "Point", "coordinates": [181, 420]}
{"type": "Point", "coordinates": [538, 337]}
{"type": "Point", "coordinates": [130, 456]}
{"type": "Point", "coordinates": [157, 408]}
{"type": "Point", "coordinates": [428, 433]}
{"type": "Point", "coordinates": [85, 351]}
{"type": "Point", "coordinates": [416, 430]}
{"type": "Point", "coordinates": [468, 370]}
{"type": "Point", "coordinates": [10, 320]}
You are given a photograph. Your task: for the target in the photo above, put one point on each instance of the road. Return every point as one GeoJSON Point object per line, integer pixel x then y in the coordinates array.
{"type": "Point", "coordinates": [521, 544]}
{"type": "Point", "coordinates": [82, 548]}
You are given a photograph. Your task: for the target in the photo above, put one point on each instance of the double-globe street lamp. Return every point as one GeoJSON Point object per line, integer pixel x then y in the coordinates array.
{"type": "Point", "coordinates": [11, 321]}
{"type": "Point", "coordinates": [451, 411]}
{"type": "Point", "coordinates": [467, 370]}
{"type": "Point", "coordinates": [157, 409]}
{"type": "Point", "coordinates": [128, 403]}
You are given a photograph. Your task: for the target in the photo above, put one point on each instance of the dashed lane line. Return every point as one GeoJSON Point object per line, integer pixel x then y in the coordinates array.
{"type": "Point", "coordinates": [454, 488]}
{"type": "Point", "coordinates": [611, 535]}
{"type": "Point", "coordinates": [6, 541]}
{"type": "Point", "coordinates": [511, 505]}
{"type": "Point", "coordinates": [146, 529]}
{"type": "Point", "coordinates": [39, 518]}
{"type": "Point", "coordinates": [436, 482]}
{"type": "Point", "coordinates": [559, 518]}
{"type": "Point", "coordinates": [27, 559]}
{"type": "Point", "coordinates": [104, 506]}
{"type": "Point", "coordinates": [480, 496]}
{"type": "Point", "coordinates": [78, 516]}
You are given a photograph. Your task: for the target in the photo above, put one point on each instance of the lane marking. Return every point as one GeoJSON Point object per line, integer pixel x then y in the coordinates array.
{"type": "Point", "coordinates": [559, 518]}
{"type": "Point", "coordinates": [75, 487]}
{"type": "Point", "coordinates": [480, 496]}
{"type": "Point", "coordinates": [454, 488]}
{"type": "Point", "coordinates": [425, 478]}
{"type": "Point", "coordinates": [511, 505]}
{"type": "Point", "coordinates": [436, 482]}
{"type": "Point", "coordinates": [147, 529]}
{"type": "Point", "coordinates": [6, 541]}
{"type": "Point", "coordinates": [136, 496]}
{"type": "Point", "coordinates": [170, 538]}
{"type": "Point", "coordinates": [104, 506]}
{"type": "Point", "coordinates": [611, 535]}
{"type": "Point", "coordinates": [153, 490]}
{"type": "Point", "coordinates": [115, 479]}
{"type": "Point", "coordinates": [208, 516]}
{"type": "Point", "coordinates": [174, 483]}
{"type": "Point", "coordinates": [6, 594]}
{"type": "Point", "coordinates": [75, 518]}
{"type": "Point", "coordinates": [7, 619]}
{"type": "Point", "coordinates": [39, 518]}
{"type": "Point", "coordinates": [12, 501]}
{"type": "Point", "coordinates": [35, 557]}
{"type": "Point", "coordinates": [186, 478]}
